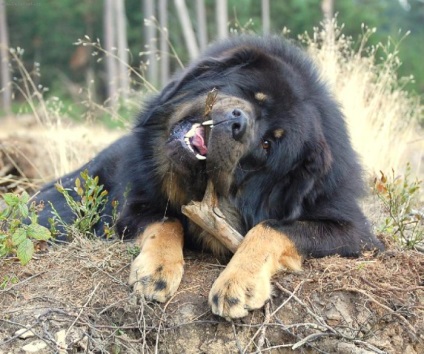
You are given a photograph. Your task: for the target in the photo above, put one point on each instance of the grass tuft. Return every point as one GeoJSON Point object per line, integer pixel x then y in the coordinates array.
{"type": "Point", "coordinates": [383, 118]}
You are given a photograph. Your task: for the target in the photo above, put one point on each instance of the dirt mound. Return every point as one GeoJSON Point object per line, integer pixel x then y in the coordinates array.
{"type": "Point", "coordinates": [76, 299]}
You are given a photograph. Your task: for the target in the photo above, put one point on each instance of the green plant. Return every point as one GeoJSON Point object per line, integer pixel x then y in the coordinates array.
{"type": "Point", "coordinates": [87, 206]}
{"type": "Point", "coordinates": [133, 250]}
{"type": "Point", "coordinates": [400, 200]}
{"type": "Point", "coordinates": [16, 236]}
{"type": "Point", "coordinates": [7, 281]}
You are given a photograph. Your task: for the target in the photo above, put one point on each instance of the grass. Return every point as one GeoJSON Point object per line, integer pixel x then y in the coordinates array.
{"type": "Point", "coordinates": [399, 197]}
{"type": "Point", "coordinates": [87, 206]}
{"type": "Point", "coordinates": [383, 118]}
{"type": "Point", "coordinates": [17, 237]}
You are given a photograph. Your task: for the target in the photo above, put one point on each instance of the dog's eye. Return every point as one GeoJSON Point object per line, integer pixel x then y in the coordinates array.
{"type": "Point", "coordinates": [266, 144]}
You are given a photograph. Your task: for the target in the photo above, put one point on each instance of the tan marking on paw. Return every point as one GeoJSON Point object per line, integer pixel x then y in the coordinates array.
{"type": "Point", "coordinates": [245, 284]}
{"type": "Point", "coordinates": [157, 271]}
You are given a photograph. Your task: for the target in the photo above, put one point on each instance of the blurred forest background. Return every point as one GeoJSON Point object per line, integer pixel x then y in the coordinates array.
{"type": "Point", "coordinates": [62, 44]}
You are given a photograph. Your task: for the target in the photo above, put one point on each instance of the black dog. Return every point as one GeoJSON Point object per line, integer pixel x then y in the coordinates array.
{"type": "Point", "coordinates": [275, 145]}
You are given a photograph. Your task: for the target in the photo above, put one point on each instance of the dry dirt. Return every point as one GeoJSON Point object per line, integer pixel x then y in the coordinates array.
{"type": "Point", "coordinates": [75, 299]}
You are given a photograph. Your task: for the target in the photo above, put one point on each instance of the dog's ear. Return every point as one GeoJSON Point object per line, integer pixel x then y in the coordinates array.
{"type": "Point", "coordinates": [319, 158]}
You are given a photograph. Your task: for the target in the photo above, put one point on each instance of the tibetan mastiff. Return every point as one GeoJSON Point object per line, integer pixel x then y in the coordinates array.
{"type": "Point", "coordinates": [274, 143]}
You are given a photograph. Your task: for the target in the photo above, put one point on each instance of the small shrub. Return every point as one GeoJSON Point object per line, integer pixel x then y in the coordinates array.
{"type": "Point", "coordinates": [16, 236]}
{"type": "Point", "coordinates": [87, 208]}
{"type": "Point", "coordinates": [400, 200]}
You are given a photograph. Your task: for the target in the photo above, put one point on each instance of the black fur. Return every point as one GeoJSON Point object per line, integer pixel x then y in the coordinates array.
{"type": "Point", "coordinates": [305, 185]}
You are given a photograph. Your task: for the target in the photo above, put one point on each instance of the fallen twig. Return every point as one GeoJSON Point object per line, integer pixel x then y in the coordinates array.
{"type": "Point", "coordinates": [209, 217]}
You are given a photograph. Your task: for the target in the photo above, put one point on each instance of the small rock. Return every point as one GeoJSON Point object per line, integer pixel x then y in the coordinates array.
{"type": "Point", "coordinates": [35, 346]}
{"type": "Point", "coordinates": [61, 341]}
{"type": "Point", "coordinates": [24, 333]}
{"type": "Point", "coordinates": [350, 348]}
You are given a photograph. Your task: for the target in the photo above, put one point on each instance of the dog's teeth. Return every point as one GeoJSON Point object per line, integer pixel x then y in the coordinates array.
{"type": "Point", "coordinates": [208, 122]}
{"type": "Point", "coordinates": [187, 141]}
{"type": "Point", "coordinates": [200, 157]}
{"type": "Point", "coordinates": [192, 130]}
{"type": "Point", "coordinates": [189, 134]}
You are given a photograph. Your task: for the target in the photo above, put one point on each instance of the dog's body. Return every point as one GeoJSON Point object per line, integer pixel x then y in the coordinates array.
{"type": "Point", "coordinates": [274, 143]}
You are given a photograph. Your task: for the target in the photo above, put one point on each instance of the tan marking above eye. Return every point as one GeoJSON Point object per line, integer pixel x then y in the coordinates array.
{"type": "Point", "coordinates": [260, 96]}
{"type": "Point", "coordinates": [278, 133]}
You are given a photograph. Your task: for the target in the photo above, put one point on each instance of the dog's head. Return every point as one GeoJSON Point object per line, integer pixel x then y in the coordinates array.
{"type": "Point", "coordinates": [247, 107]}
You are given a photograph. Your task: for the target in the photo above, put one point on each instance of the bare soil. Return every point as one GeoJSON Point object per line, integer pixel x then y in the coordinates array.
{"type": "Point", "coordinates": [75, 298]}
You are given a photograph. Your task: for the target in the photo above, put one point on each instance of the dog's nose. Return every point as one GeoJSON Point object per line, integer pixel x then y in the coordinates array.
{"type": "Point", "coordinates": [238, 123]}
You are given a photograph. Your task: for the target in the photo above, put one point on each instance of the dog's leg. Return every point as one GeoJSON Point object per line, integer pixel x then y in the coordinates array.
{"type": "Point", "coordinates": [245, 284]}
{"type": "Point", "coordinates": [157, 271]}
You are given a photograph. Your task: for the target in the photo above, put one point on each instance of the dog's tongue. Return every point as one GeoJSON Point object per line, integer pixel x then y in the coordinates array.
{"type": "Point", "coordinates": [199, 142]}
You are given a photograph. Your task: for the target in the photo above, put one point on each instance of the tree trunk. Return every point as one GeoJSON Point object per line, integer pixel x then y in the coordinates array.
{"type": "Point", "coordinates": [186, 25]}
{"type": "Point", "coordinates": [201, 24]}
{"type": "Point", "coordinates": [150, 40]}
{"type": "Point", "coordinates": [327, 7]}
{"type": "Point", "coordinates": [5, 79]}
{"type": "Point", "coordinates": [164, 48]}
{"type": "Point", "coordinates": [109, 43]}
{"type": "Point", "coordinates": [222, 19]}
{"type": "Point", "coordinates": [121, 29]}
{"type": "Point", "coordinates": [266, 21]}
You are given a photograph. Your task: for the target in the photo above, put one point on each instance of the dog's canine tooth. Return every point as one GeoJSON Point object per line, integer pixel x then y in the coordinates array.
{"type": "Point", "coordinates": [187, 141]}
{"type": "Point", "coordinates": [208, 122]}
{"type": "Point", "coordinates": [200, 157]}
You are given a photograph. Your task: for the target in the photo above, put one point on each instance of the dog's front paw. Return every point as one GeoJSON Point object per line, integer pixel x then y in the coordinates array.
{"type": "Point", "coordinates": [237, 291]}
{"type": "Point", "coordinates": [155, 278]}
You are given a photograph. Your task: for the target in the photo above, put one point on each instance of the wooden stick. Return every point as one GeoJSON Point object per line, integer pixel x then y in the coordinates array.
{"type": "Point", "coordinates": [209, 217]}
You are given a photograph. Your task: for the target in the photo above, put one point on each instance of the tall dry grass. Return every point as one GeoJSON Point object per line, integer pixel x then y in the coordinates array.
{"type": "Point", "coordinates": [43, 137]}
{"type": "Point", "coordinates": [382, 116]}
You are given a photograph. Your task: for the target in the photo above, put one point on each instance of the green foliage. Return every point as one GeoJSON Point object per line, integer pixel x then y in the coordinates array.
{"type": "Point", "coordinates": [87, 204]}
{"type": "Point", "coordinates": [16, 237]}
{"type": "Point", "coordinates": [8, 281]}
{"type": "Point", "coordinates": [133, 250]}
{"type": "Point", "coordinates": [400, 199]}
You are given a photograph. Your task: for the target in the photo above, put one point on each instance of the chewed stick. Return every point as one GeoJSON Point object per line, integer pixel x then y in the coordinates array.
{"type": "Point", "coordinates": [210, 101]}
{"type": "Point", "coordinates": [209, 217]}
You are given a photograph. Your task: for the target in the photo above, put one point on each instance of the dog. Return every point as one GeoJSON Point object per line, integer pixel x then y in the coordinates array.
{"type": "Point", "coordinates": [253, 116]}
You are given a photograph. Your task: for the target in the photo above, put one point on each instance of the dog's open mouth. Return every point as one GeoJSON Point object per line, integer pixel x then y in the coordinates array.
{"type": "Point", "coordinates": [193, 136]}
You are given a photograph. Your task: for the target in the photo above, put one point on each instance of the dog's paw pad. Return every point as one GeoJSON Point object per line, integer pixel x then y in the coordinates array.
{"type": "Point", "coordinates": [233, 294]}
{"type": "Point", "coordinates": [155, 280]}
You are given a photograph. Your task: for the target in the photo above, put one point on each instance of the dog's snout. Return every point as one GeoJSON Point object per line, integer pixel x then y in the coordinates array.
{"type": "Point", "coordinates": [238, 123]}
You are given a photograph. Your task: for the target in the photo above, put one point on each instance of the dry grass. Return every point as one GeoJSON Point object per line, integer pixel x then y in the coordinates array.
{"type": "Point", "coordinates": [381, 115]}
{"type": "Point", "coordinates": [45, 152]}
